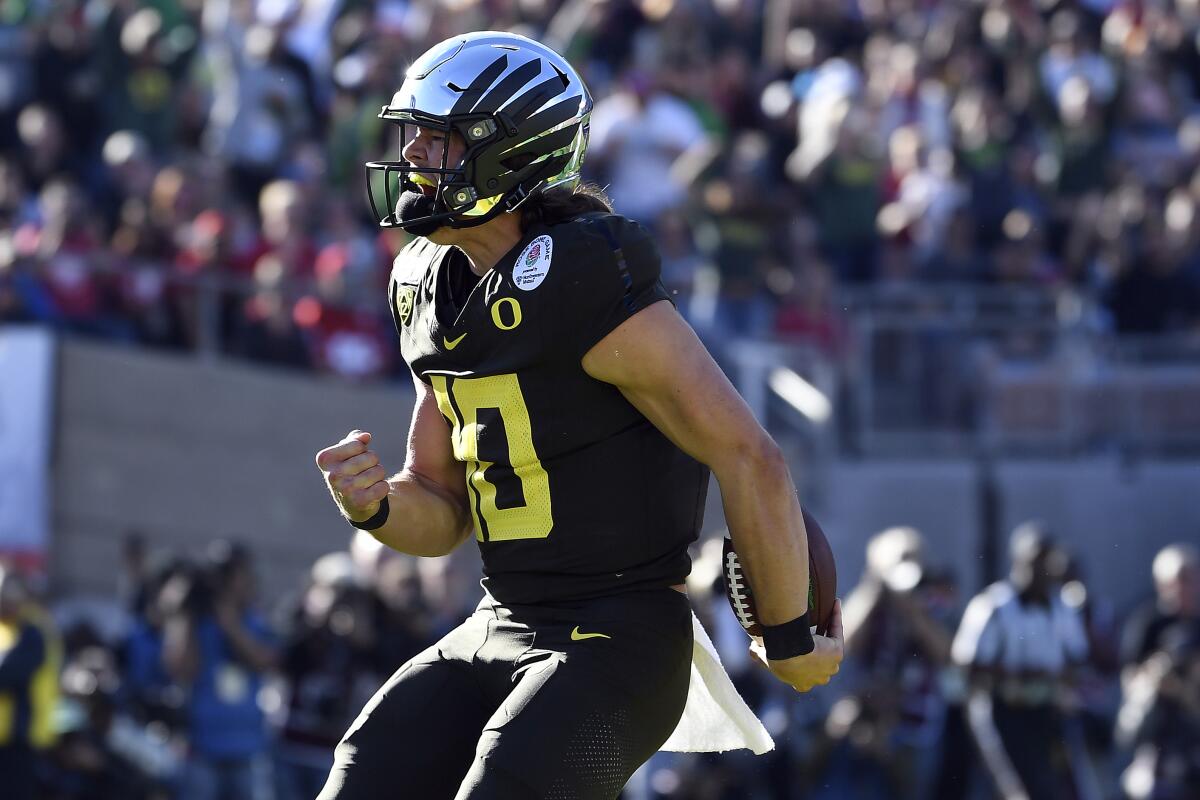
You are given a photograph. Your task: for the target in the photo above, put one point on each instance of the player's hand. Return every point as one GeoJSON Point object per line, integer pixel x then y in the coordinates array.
{"type": "Point", "coordinates": [813, 669]}
{"type": "Point", "coordinates": [354, 476]}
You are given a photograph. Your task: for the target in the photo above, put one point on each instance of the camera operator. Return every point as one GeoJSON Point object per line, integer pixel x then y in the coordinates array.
{"type": "Point", "coordinates": [1176, 571]}
{"type": "Point", "coordinates": [328, 661]}
{"type": "Point", "coordinates": [900, 641]}
{"type": "Point", "coordinates": [219, 648]}
{"type": "Point", "coordinates": [1160, 720]}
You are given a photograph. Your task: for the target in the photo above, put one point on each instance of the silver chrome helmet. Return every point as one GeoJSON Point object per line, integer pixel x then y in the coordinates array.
{"type": "Point", "coordinates": [522, 112]}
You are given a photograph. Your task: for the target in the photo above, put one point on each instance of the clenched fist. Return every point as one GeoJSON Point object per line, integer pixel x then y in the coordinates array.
{"type": "Point", "coordinates": [355, 478]}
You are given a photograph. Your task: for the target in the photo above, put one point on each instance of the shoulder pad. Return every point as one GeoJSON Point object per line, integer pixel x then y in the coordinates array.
{"type": "Point", "coordinates": [412, 262]}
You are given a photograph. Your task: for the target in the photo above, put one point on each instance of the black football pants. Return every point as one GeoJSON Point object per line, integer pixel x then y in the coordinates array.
{"type": "Point", "coordinates": [546, 702]}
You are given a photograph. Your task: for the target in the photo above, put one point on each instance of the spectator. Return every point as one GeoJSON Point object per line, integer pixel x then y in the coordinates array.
{"type": "Point", "coordinates": [681, 263]}
{"type": "Point", "coordinates": [961, 142]}
{"type": "Point", "coordinates": [844, 190]}
{"type": "Point", "coordinates": [403, 617]}
{"type": "Point", "coordinates": [807, 314]}
{"type": "Point", "coordinates": [1160, 720]}
{"type": "Point", "coordinates": [149, 693]}
{"type": "Point", "coordinates": [47, 152]}
{"type": "Point", "coordinates": [266, 329]}
{"type": "Point", "coordinates": [65, 244]}
{"type": "Point", "coordinates": [345, 338]}
{"type": "Point", "coordinates": [101, 752]}
{"type": "Point", "coordinates": [328, 663]}
{"type": "Point", "coordinates": [133, 580]}
{"type": "Point", "coordinates": [1152, 293]}
{"type": "Point", "coordinates": [1020, 644]}
{"type": "Point", "coordinates": [899, 647]}
{"type": "Point", "coordinates": [638, 136]}
{"type": "Point", "coordinates": [219, 648]}
{"type": "Point", "coordinates": [263, 95]}
{"type": "Point", "coordinates": [30, 658]}
{"type": "Point", "coordinates": [737, 231]}
{"type": "Point", "coordinates": [285, 216]}
{"type": "Point", "coordinates": [959, 260]}
{"type": "Point", "coordinates": [1176, 572]}
{"type": "Point", "coordinates": [129, 174]}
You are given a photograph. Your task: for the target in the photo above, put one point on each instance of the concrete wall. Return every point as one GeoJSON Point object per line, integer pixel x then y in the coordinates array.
{"type": "Point", "coordinates": [940, 498]}
{"type": "Point", "coordinates": [187, 451]}
{"type": "Point", "coordinates": [1114, 516]}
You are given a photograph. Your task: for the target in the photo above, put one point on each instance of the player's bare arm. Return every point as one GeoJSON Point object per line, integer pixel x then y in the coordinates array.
{"type": "Point", "coordinates": [662, 368]}
{"type": "Point", "coordinates": [429, 514]}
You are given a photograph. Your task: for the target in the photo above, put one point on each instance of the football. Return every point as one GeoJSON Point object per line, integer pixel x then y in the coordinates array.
{"type": "Point", "coordinates": [822, 582]}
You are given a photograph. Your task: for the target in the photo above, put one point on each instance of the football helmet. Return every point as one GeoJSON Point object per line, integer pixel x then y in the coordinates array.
{"type": "Point", "coordinates": [522, 112]}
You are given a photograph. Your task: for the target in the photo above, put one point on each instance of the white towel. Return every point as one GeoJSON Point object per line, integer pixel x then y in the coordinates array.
{"type": "Point", "coordinates": [716, 718]}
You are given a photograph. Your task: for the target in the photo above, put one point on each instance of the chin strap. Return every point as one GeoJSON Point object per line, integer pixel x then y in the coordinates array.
{"type": "Point", "coordinates": [413, 207]}
{"type": "Point", "coordinates": [516, 198]}
{"type": "Point", "coordinates": [411, 210]}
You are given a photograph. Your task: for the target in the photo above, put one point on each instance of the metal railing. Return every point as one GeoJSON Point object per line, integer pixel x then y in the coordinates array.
{"type": "Point", "coordinates": [953, 370]}
{"type": "Point", "coordinates": [984, 371]}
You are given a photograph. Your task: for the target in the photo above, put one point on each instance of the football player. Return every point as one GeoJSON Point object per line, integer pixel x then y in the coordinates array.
{"type": "Point", "coordinates": [566, 416]}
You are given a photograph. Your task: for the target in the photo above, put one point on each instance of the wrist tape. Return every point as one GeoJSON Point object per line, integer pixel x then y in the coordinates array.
{"type": "Point", "coordinates": [790, 639]}
{"type": "Point", "coordinates": [376, 520]}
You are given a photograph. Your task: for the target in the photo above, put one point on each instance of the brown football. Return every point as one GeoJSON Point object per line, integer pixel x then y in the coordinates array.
{"type": "Point", "coordinates": [822, 582]}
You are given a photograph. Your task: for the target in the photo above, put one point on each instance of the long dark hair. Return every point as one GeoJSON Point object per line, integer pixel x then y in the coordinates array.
{"type": "Point", "coordinates": [562, 203]}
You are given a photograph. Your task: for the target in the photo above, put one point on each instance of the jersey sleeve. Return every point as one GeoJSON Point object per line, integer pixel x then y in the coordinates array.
{"type": "Point", "coordinates": [614, 271]}
{"type": "Point", "coordinates": [393, 289]}
{"type": "Point", "coordinates": [401, 300]}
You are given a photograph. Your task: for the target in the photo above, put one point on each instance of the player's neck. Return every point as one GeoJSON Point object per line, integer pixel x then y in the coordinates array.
{"type": "Point", "coordinates": [486, 244]}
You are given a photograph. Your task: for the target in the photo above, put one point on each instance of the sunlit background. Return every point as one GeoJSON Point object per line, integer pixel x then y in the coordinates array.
{"type": "Point", "coordinates": [948, 251]}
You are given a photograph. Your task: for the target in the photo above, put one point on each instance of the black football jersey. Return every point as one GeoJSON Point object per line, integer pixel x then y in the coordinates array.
{"type": "Point", "coordinates": [574, 493]}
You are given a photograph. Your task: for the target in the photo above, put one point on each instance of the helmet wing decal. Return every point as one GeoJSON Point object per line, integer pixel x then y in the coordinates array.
{"type": "Point", "coordinates": [471, 95]}
{"type": "Point", "coordinates": [547, 118]}
{"type": "Point", "coordinates": [504, 90]}
{"type": "Point", "coordinates": [523, 107]}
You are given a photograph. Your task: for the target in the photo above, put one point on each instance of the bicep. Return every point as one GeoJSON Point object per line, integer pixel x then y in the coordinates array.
{"type": "Point", "coordinates": [659, 365]}
{"type": "Point", "coordinates": [430, 453]}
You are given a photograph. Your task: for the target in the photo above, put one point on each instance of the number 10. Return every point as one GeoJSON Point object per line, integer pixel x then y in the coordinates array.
{"type": "Point", "coordinates": [461, 400]}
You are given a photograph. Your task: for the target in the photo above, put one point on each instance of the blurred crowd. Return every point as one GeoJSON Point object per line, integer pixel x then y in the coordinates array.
{"type": "Point", "coordinates": [187, 173]}
{"type": "Point", "coordinates": [185, 687]}
{"type": "Point", "coordinates": [1039, 689]}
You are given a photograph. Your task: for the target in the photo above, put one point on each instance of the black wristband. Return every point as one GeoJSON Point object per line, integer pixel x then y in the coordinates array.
{"type": "Point", "coordinates": [790, 639]}
{"type": "Point", "coordinates": [376, 520]}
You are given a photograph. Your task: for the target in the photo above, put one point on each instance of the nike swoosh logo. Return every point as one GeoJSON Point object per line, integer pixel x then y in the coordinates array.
{"type": "Point", "coordinates": [576, 636]}
{"type": "Point", "coordinates": [452, 343]}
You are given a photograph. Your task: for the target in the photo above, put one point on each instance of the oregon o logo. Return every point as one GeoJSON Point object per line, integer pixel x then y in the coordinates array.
{"type": "Point", "coordinates": [513, 314]}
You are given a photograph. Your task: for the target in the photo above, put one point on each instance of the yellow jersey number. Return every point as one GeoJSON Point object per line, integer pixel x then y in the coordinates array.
{"type": "Point", "coordinates": [460, 400]}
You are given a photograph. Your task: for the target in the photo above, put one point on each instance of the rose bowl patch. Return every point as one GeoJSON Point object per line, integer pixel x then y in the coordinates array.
{"type": "Point", "coordinates": [534, 263]}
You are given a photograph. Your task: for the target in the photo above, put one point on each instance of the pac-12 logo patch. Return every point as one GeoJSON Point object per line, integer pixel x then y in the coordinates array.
{"type": "Point", "coordinates": [534, 263]}
{"type": "Point", "coordinates": [404, 303]}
